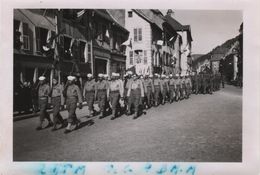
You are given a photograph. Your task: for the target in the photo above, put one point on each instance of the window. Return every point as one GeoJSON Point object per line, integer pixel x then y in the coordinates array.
{"type": "Point", "coordinates": [131, 57]}
{"type": "Point", "coordinates": [41, 38]}
{"type": "Point", "coordinates": [138, 34]}
{"type": "Point", "coordinates": [138, 56]}
{"type": "Point", "coordinates": [17, 35]}
{"type": "Point", "coordinates": [26, 42]}
{"type": "Point", "coordinates": [67, 41]}
{"type": "Point", "coordinates": [82, 45]}
{"type": "Point", "coordinates": [130, 14]}
{"type": "Point", "coordinates": [145, 57]}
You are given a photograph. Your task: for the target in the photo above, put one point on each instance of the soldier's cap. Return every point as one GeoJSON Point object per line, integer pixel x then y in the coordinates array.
{"type": "Point", "coordinates": [70, 78]}
{"type": "Point", "coordinates": [89, 75]}
{"type": "Point", "coordinates": [151, 76]}
{"type": "Point", "coordinates": [41, 78]}
{"type": "Point", "coordinates": [129, 72]}
{"type": "Point", "coordinates": [113, 74]}
{"type": "Point", "coordinates": [117, 75]}
{"type": "Point", "coordinates": [100, 75]}
{"type": "Point", "coordinates": [167, 76]}
{"type": "Point", "coordinates": [170, 75]}
{"type": "Point", "coordinates": [163, 76]}
{"type": "Point", "coordinates": [105, 75]}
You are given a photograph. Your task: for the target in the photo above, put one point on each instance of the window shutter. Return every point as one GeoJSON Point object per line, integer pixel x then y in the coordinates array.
{"type": "Point", "coordinates": [135, 34]}
{"type": "Point", "coordinates": [140, 34]}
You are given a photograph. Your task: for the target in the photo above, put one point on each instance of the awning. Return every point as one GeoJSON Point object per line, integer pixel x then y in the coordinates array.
{"type": "Point", "coordinates": [35, 17]}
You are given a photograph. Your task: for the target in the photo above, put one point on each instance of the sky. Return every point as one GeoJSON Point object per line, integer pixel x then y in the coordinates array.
{"type": "Point", "coordinates": [209, 28]}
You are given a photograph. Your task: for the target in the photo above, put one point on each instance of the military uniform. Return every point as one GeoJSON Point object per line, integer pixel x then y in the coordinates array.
{"type": "Point", "coordinates": [183, 88]}
{"type": "Point", "coordinates": [115, 91]}
{"type": "Point", "coordinates": [43, 93]}
{"type": "Point", "coordinates": [102, 88]}
{"type": "Point", "coordinates": [188, 86]}
{"type": "Point", "coordinates": [57, 101]}
{"type": "Point", "coordinates": [165, 89]}
{"type": "Point", "coordinates": [89, 93]}
{"type": "Point", "coordinates": [172, 85]}
{"type": "Point", "coordinates": [149, 90]}
{"type": "Point", "coordinates": [135, 93]}
{"type": "Point", "coordinates": [157, 90]}
{"type": "Point", "coordinates": [73, 95]}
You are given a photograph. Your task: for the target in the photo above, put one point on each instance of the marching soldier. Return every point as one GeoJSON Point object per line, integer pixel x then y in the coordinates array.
{"type": "Point", "coordinates": [135, 94]}
{"type": "Point", "coordinates": [73, 96]}
{"type": "Point", "coordinates": [102, 88]}
{"type": "Point", "coordinates": [182, 87]}
{"type": "Point", "coordinates": [188, 85]}
{"type": "Point", "coordinates": [157, 89]}
{"type": "Point", "coordinates": [165, 88]}
{"type": "Point", "coordinates": [114, 92]}
{"type": "Point", "coordinates": [149, 90]}
{"type": "Point", "coordinates": [172, 84]}
{"type": "Point", "coordinates": [43, 93]}
{"type": "Point", "coordinates": [178, 87]}
{"type": "Point", "coordinates": [128, 80]}
{"type": "Point", "coordinates": [89, 93]}
{"type": "Point", "coordinates": [195, 84]}
{"type": "Point", "coordinates": [204, 83]}
{"type": "Point", "coordinates": [57, 102]}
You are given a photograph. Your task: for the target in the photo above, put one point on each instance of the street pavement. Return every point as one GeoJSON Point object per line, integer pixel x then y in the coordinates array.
{"type": "Point", "coordinates": [204, 128]}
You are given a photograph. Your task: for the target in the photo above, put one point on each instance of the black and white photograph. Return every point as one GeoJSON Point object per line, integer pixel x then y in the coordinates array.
{"type": "Point", "coordinates": [157, 85]}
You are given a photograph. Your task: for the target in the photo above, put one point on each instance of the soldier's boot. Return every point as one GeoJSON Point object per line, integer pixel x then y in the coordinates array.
{"type": "Point", "coordinates": [68, 128]}
{"type": "Point", "coordinates": [136, 115]}
{"type": "Point", "coordinates": [113, 114]}
{"type": "Point", "coordinates": [39, 127]}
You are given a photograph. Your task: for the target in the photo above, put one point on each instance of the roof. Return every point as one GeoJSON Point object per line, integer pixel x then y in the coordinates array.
{"type": "Point", "coordinates": [105, 14]}
{"type": "Point", "coordinates": [152, 16]}
{"type": "Point", "coordinates": [35, 17]}
{"type": "Point", "coordinates": [175, 24]}
{"type": "Point", "coordinates": [178, 26]}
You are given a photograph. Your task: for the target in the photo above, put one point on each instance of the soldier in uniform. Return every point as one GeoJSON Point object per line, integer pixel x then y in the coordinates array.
{"type": "Point", "coordinates": [182, 87]}
{"type": "Point", "coordinates": [165, 88]}
{"type": "Point", "coordinates": [172, 84]}
{"type": "Point", "coordinates": [102, 88]}
{"type": "Point", "coordinates": [57, 102]}
{"type": "Point", "coordinates": [135, 94]}
{"type": "Point", "coordinates": [149, 90]}
{"type": "Point", "coordinates": [73, 96]}
{"type": "Point", "coordinates": [128, 80]}
{"type": "Point", "coordinates": [157, 89]}
{"type": "Point", "coordinates": [89, 93]}
{"type": "Point", "coordinates": [195, 83]}
{"type": "Point", "coordinates": [188, 85]}
{"type": "Point", "coordinates": [43, 93]}
{"type": "Point", "coordinates": [178, 87]}
{"type": "Point", "coordinates": [114, 93]}
{"type": "Point", "coordinates": [204, 83]}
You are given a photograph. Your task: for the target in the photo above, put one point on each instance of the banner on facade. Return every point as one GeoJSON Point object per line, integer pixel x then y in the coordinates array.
{"type": "Point", "coordinates": [143, 69]}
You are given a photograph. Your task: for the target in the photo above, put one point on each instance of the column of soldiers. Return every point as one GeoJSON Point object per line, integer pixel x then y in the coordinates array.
{"type": "Point", "coordinates": [130, 95]}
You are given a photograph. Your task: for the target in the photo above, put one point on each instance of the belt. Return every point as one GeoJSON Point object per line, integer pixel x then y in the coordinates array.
{"type": "Point", "coordinates": [43, 97]}
{"type": "Point", "coordinates": [115, 91]}
{"type": "Point", "coordinates": [56, 96]}
{"type": "Point", "coordinates": [90, 91]}
{"type": "Point", "coordinates": [72, 97]}
{"type": "Point", "coordinates": [102, 90]}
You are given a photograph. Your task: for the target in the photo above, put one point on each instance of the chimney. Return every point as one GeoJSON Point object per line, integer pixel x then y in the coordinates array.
{"type": "Point", "coordinates": [170, 13]}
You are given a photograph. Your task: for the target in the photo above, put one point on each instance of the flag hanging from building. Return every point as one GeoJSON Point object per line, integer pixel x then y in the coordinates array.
{"type": "Point", "coordinates": [80, 13]}
{"type": "Point", "coordinates": [160, 42]}
{"type": "Point", "coordinates": [86, 53]}
{"type": "Point", "coordinates": [35, 75]}
{"type": "Point", "coordinates": [21, 31]}
{"type": "Point", "coordinates": [107, 33]}
{"type": "Point", "coordinates": [71, 44]}
{"type": "Point", "coordinates": [128, 43]}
